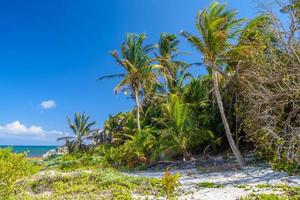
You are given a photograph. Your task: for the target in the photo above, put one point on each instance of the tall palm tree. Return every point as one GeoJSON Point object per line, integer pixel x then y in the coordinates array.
{"type": "Point", "coordinates": [171, 70]}
{"type": "Point", "coordinates": [216, 26]}
{"type": "Point", "coordinates": [137, 65]}
{"type": "Point", "coordinates": [81, 128]}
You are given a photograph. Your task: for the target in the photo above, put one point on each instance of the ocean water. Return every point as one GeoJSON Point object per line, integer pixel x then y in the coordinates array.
{"type": "Point", "coordinates": [32, 151]}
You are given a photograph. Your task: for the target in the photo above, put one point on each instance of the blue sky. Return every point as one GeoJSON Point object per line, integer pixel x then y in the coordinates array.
{"type": "Point", "coordinates": [51, 53]}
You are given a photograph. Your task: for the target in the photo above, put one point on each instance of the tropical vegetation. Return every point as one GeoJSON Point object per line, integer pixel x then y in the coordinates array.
{"type": "Point", "coordinates": [249, 100]}
{"type": "Point", "coordinates": [249, 96]}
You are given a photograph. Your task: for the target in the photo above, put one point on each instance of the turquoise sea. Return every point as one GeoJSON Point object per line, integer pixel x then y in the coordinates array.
{"type": "Point", "coordinates": [32, 151]}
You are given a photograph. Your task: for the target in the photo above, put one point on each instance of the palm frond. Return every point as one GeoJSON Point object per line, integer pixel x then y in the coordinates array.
{"type": "Point", "coordinates": [111, 76]}
{"type": "Point", "coordinates": [65, 138]}
{"type": "Point", "coordinates": [195, 41]}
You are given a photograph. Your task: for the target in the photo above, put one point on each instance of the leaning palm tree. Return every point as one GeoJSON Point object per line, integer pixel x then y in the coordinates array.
{"type": "Point", "coordinates": [137, 65]}
{"type": "Point", "coordinates": [81, 128]}
{"type": "Point", "coordinates": [216, 26]}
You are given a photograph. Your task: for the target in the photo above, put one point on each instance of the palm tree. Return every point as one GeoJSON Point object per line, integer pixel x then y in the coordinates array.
{"type": "Point", "coordinates": [179, 125]}
{"type": "Point", "coordinates": [81, 128]}
{"type": "Point", "coordinates": [171, 70]}
{"type": "Point", "coordinates": [137, 65]}
{"type": "Point", "coordinates": [216, 26]}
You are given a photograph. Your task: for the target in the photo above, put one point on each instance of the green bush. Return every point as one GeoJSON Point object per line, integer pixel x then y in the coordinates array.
{"type": "Point", "coordinates": [13, 167]}
{"type": "Point", "coordinates": [101, 156]}
{"type": "Point", "coordinates": [170, 182]}
{"type": "Point", "coordinates": [111, 154]}
{"type": "Point", "coordinates": [77, 160]}
{"type": "Point", "coordinates": [291, 168]}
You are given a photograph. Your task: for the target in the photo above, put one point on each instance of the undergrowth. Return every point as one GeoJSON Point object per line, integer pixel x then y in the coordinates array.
{"type": "Point", "coordinates": [96, 184]}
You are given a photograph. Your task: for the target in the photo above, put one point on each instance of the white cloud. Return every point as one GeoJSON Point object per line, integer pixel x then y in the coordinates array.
{"type": "Point", "coordinates": [48, 104]}
{"type": "Point", "coordinates": [18, 133]}
{"type": "Point", "coordinates": [17, 128]}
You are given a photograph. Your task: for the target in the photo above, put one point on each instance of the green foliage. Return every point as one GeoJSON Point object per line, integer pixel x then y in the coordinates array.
{"type": "Point", "coordinates": [292, 168]}
{"type": "Point", "coordinates": [168, 127]}
{"type": "Point", "coordinates": [286, 193]}
{"type": "Point", "coordinates": [268, 102]}
{"type": "Point", "coordinates": [138, 148]}
{"type": "Point", "coordinates": [173, 71]}
{"type": "Point", "coordinates": [255, 81]}
{"type": "Point", "coordinates": [76, 160]}
{"type": "Point", "coordinates": [82, 128]}
{"type": "Point", "coordinates": [180, 129]}
{"type": "Point", "coordinates": [103, 156]}
{"type": "Point", "coordinates": [216, 26]}
{"type": "Point", "coordinates": [138, 73]}
{"type": "Point", "coordinates": [12, 168]}
{"type": "Point", "coordinates": [113, 155]}
{"type": "Point", "coordinates": [209, 185]}
{"type": "Point", "coordinates": [243, 186]}
{"type": "Point", "coordinates": [264, 185]}
{"type": "Point", "coordinates": [289, 194]}
{"type": "Point", "coordinates": [170, 182]}
{"type": "Point", "coordinates": [264, 197]}
{"type": "Point", "coordinates": [258, 32]}
{"type": "Point", "coordinates": [120, 126]}
{"type": "Point", "coordinates": [99, 184]}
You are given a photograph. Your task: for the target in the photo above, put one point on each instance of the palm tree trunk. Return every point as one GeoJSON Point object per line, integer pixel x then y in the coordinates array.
{"type": "Point", "coordinates": [231, 142]}
{"type": "Point", "coordinates": [166, 92]}
{"type": "Point", "coordinates": [166, 88]}
{"type": "Point", "coordinates": [186, 156]}
{"type": "Point", "coordinates": [137, 101]}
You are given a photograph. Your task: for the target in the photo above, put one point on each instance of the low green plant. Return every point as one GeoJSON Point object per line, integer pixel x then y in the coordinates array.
{"type": "Point", "coordinates": [170, 182]}
{"type": "Point", "coordinates": [264, 197]}
{"type": "Point", "coordinates": [241, 186]}
{"type": "Point", "coordinates": [264, 185]}
{"type": "Point", "coordinates": [13, 167]}
{"type": "Point", "coordinates": [209, 185]}
{"type": "Point", "coordinates": [114, 155]}
{"type": "Point", "coordinates": [96, 184]}
{"type": "Point", "coordinates": [77, 160]}
{"type": "Point", "coordinates": [202, 169]}
{"type": "Point", "coordinates": [286, 193]}
{"type": "Point", "coordinates": [245, 187]}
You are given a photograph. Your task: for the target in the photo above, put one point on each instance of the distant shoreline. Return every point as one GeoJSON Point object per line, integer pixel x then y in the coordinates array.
{"type": "Point", "coordinates": [33, 151]}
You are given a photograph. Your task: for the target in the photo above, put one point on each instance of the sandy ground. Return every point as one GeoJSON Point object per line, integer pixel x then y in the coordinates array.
{"type": "Point", "coordinates": [250, 176]}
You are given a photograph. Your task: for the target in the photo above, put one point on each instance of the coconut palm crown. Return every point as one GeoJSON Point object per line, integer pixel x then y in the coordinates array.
{"type": "Point", "coordinates": [173, 71]}
{"type": "Point", "coordinates": [81, 127]}
{"type": "Point", "coordinates": [135, 61]}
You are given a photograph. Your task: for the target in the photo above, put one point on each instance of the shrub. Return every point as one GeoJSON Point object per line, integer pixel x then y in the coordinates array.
{"type": "Point", "coordinates": [291, 168]}
{"type": "Point", "coordinates": [268, 102]}
{"type": "Point", "coordinates": [111, 154]}
{"type": "Point", "coordinates": [170, 183]}
{"type": "Point", "coordinates": [98, 184]}
{"type": "Point", "coordinates": [77, 160]}
{"type": "Point", "coordinates": [13, 167]}
{"type": "Point", "coordinates": [209, 185]}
